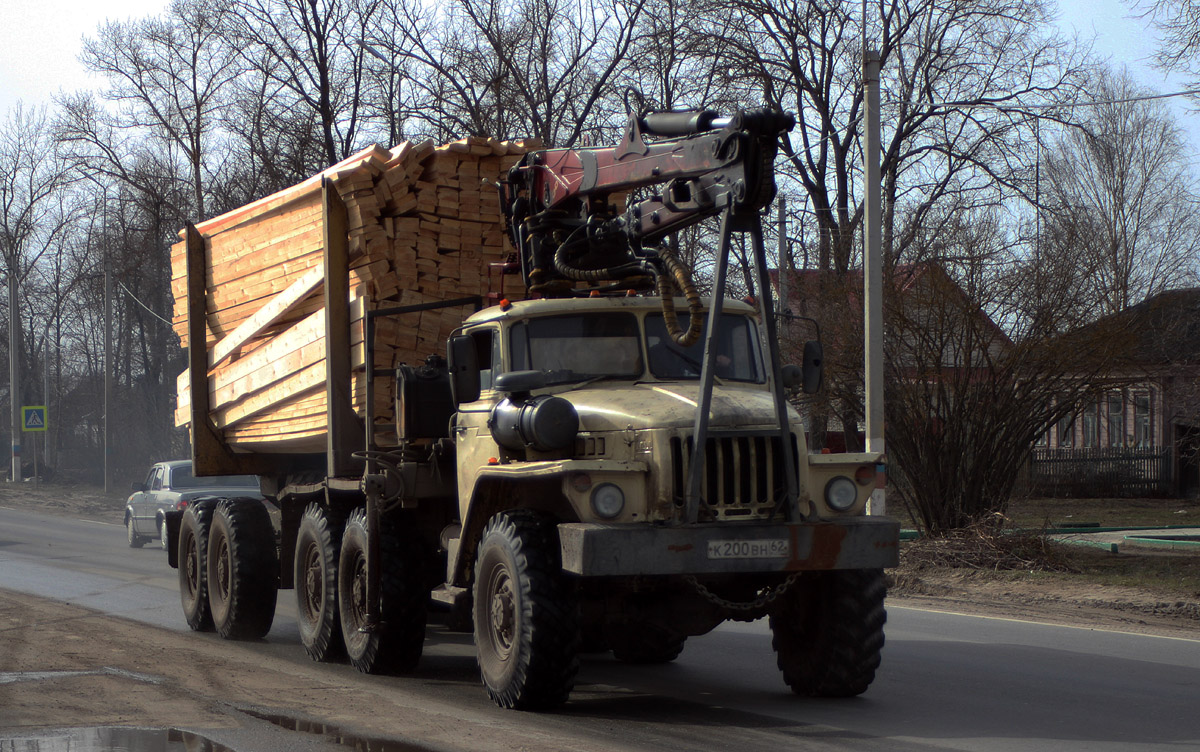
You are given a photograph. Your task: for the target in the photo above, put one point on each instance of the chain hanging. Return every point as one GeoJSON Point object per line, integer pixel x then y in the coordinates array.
{"type": "Point", "coordinates": [748, 611]}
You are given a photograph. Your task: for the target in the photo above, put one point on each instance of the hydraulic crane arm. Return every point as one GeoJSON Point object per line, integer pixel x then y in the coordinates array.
{"type": "Point", "coordinates": [558, 202]}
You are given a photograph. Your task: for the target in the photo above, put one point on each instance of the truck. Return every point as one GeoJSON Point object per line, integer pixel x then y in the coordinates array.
{"type": "Point", "coordinates": [585, 469]}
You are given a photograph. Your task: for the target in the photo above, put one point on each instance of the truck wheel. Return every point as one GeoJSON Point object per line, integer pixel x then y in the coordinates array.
{"type": "Point", "coordinates": [162, 534]}
{"type": "Point", "coordinates": [645, 643]}
{"type": "Point", "coordinates": [526, 614]}
{"type": "Point", "coordinates": [315, 571]}
{"type": "Point", "coordinates": [828, 632]}
{"type": "Point", "coordinates": [193, 566]}
{"type": "Point", "coordinates": [396, 643]}
{"type": "Point", "coordinates": [135, 540]}
{"type": "Point", "coordinates": [243, 578]}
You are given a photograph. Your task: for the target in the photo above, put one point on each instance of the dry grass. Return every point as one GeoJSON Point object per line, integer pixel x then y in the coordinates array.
{"type": "Point", "coordinates": [984, 547]}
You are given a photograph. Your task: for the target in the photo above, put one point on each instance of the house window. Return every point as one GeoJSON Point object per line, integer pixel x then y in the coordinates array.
{"type": "Point", "coordinates": [1141, 421]}
{"type": "Point", "coordinates": [1066, 431]}
{"type": "Point", "coordinates": [1091, 426]}
{"type": "Point", "coordinates": [1116, 420]}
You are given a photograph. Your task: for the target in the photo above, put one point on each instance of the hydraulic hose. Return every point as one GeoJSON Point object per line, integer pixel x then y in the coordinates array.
{"type": "Point", "coordinates": [674, 276]}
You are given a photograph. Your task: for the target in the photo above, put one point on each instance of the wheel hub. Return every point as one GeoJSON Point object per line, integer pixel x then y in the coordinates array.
{"type": "Point", "coordinates": [502, 611]}
{"type": "Point", "coordinates": [313, 583]}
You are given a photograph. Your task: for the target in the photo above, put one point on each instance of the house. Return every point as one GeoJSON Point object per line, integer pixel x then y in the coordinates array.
{"type": "Point", "coordinates": [1142, 435]}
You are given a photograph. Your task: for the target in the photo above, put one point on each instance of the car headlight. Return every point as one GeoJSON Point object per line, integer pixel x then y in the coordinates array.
{"type": "Point", "coordinates": [608, 500]}
{"type": "Point", "coordinates": [840, 493]}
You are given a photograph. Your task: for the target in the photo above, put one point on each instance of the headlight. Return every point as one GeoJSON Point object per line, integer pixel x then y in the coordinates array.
{"type": "Point", "coordinates": [840, 493]}
{"type": "Point", "coordinates": [608, 500]}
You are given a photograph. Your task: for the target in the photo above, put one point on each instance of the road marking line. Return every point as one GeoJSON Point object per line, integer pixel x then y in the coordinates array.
{"type": "Point", "coordinates": [1042, 623]}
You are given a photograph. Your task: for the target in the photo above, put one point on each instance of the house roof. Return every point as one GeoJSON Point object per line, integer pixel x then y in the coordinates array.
{"type": "Point", "coordinates": [804, 283]}
{"type": "Point", "coordinates": [1167, 326]}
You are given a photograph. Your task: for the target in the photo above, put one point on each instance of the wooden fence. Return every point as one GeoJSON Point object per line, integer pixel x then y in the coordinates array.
{"type": "Point", "coordinates": [1094, 473]}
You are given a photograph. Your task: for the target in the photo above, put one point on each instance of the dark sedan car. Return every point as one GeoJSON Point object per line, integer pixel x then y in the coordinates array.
{"type": "Point", "coordinates": [171, 485]}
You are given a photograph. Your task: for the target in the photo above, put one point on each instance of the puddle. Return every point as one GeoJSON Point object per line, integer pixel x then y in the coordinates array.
{"type": "Point", "coordinates": [112, 739]}
{"type": "Point", "coordinates": [333, 734]}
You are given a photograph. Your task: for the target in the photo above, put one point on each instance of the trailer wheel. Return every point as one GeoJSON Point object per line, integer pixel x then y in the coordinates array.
{"type": "Point", "coordinates": [828, 632]}
{"type": "Point", "coordinates": [193, 567]}
{"type": "Point", "coordinates": [243, 569]}
{"type": "Point", "coordinates": [526, 613]}
{"type": "Point", "coordinates": [645, 643]}
{"type": "Point", "coordinates": [315, 570]}
{"type": "Point", "coordinates": [396, 643]}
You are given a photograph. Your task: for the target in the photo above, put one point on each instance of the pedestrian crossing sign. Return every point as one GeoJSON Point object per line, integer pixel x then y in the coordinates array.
{"type": "Point", "coordinates": [33, 418]}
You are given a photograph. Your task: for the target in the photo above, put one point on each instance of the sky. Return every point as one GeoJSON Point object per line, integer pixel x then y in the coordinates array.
{"type": "Point", "coordinates": [40, 43]}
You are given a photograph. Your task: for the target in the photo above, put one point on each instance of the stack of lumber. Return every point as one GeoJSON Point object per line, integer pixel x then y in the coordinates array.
{"type": "Point", "coordinates": [424, 223]}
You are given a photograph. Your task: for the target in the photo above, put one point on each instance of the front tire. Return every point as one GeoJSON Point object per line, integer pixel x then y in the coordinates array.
{"type": "Point", "coordinates": [395, 644]}
{"type": "Point", "coordinates": [135, 540]}
{"type": "Point", "coordinates": [828, 632]}
{"type": "Point", "coordinates": [526, 614]}
{"type": "Point", "coordinates": [243, 568]}
{"type": "Point", "coordinates": [193, 565]}
{"type": "Point", "coordinates": [315, 577]}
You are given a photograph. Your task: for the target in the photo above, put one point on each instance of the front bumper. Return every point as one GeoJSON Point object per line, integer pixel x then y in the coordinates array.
{"type": "Point", "coordinates": [599, 550]}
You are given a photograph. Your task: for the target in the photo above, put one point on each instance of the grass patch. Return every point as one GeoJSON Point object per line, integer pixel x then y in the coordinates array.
{"type": "Point", "coordinates": [1173, 574]}
{"type": "Point", "coordinates": [1034, 514]}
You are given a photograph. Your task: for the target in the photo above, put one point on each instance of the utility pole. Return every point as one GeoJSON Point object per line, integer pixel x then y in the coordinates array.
{"type": "Point", "coordinates": [781, 263]}
{"type": "Point", "coordinates": [108, 364]}
{"type": "Point", "coordinates": [873, 274]}
{"type": "Point", "coordinates": [14, 369]}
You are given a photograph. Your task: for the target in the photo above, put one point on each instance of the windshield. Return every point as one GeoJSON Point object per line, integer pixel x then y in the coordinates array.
{"type": "Point", "coordinates": [577, 348]}
{"type": "Point", "coordinates": [736, 343]}
{"type": "Point", "coordinates": [181, 477]}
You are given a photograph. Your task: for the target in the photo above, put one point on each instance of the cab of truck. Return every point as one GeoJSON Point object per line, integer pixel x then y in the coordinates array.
{"type": "Point", "coordinates": [595, 397]}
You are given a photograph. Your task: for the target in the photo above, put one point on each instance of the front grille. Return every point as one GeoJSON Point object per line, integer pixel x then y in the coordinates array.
{"type": "Point", "coordinates": [743, 475]}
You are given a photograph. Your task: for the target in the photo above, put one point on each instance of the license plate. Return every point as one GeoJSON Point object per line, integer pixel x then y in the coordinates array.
{"type": "Point", "coordinates": [773, 548]}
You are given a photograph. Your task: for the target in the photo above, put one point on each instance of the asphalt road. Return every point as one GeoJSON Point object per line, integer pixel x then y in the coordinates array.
{"type": "Point", "coordinates": [947, 681]}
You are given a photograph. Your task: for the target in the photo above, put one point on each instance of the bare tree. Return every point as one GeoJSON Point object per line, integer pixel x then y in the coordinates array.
{"type": "Point", "coordinates": [505, 68]}
{"type": "Point", "coordinates": [967, 398]}
{"type": "Point", "coordinates": [33, 214]}
{"type": "Point", "coordinates": [1178, 23]}
{"type": "Point", "coordinates": [311, 50]}
{"type": "Point", "coordinates": [168, 74]}
{"type": "Point", "coordinates": [1121, 181]}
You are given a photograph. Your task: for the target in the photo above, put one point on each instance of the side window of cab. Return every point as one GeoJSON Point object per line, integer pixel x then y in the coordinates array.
{"type": "Point", "coordinates": [487, 350]}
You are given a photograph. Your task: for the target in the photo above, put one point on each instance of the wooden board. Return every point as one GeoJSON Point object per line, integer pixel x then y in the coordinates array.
{"type": "Point", "coordinates": [423, 225]}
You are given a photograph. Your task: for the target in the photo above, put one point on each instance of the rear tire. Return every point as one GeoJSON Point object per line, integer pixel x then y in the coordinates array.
{"type": "Point", "coordinates": [828, 632]}
{"type": "Point", "coordinates": [526, 614]}
{"type": "Point", "coordinates": [193, 565]}
{"type": "Point", "coordinates": [243, 569]}
{"type": "Point", "coordinates": [315, 577]}
{"type": "Point", "coordinates": [395, 644]}
{"type": "Point", "coordinates": [162, 535]}
{"type": "Point", "coordinates": [645, 643]}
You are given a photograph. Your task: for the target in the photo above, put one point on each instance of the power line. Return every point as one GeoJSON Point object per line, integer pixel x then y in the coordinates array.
{"type": "Point", "coordinates": [143, 305]}
{"type": "Point", "coordinates": [1000, 103]}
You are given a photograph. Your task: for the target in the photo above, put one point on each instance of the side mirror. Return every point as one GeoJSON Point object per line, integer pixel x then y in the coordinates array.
{"type": "Point", "coordinates": [139, 487]}
{"type": "Point", "coordinates": [464, 369]}
{"type": "Point", "coordinates": [814, 366]}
